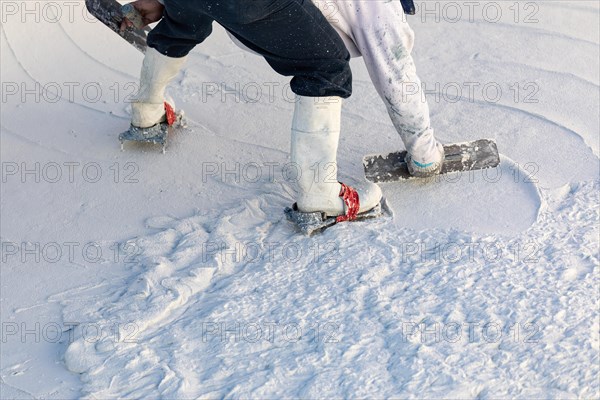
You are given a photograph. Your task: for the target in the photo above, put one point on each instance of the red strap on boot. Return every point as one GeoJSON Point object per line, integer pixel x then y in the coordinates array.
{"type": "Point", "coordinates": [171, 117]}
{"type": "Point", "coordinates": [350, 197]}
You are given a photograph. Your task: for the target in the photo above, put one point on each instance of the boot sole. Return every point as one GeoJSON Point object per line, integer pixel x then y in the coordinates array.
{"type": "Point", "coordinates": [313, 222]}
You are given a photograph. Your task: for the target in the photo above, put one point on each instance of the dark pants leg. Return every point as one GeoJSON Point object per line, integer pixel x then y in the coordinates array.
{"type": "Point", "coordinates": [292, 35]}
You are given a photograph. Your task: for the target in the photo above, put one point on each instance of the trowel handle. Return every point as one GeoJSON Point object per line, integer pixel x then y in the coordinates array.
{"type": "Point", "coordinates": [130, 12]}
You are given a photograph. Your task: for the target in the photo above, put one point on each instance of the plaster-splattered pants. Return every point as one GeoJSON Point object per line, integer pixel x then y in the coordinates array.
{"type": "Point", "coordinates": [378, 31]}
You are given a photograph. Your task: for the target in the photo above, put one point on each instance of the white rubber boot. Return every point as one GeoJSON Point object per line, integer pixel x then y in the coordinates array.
{"type": "Point", "coordinates": [148, 108]}
{"type": "Point", "coordinates": [425, 157]}
{"type": "Point", "coordinates": [315, 135]}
